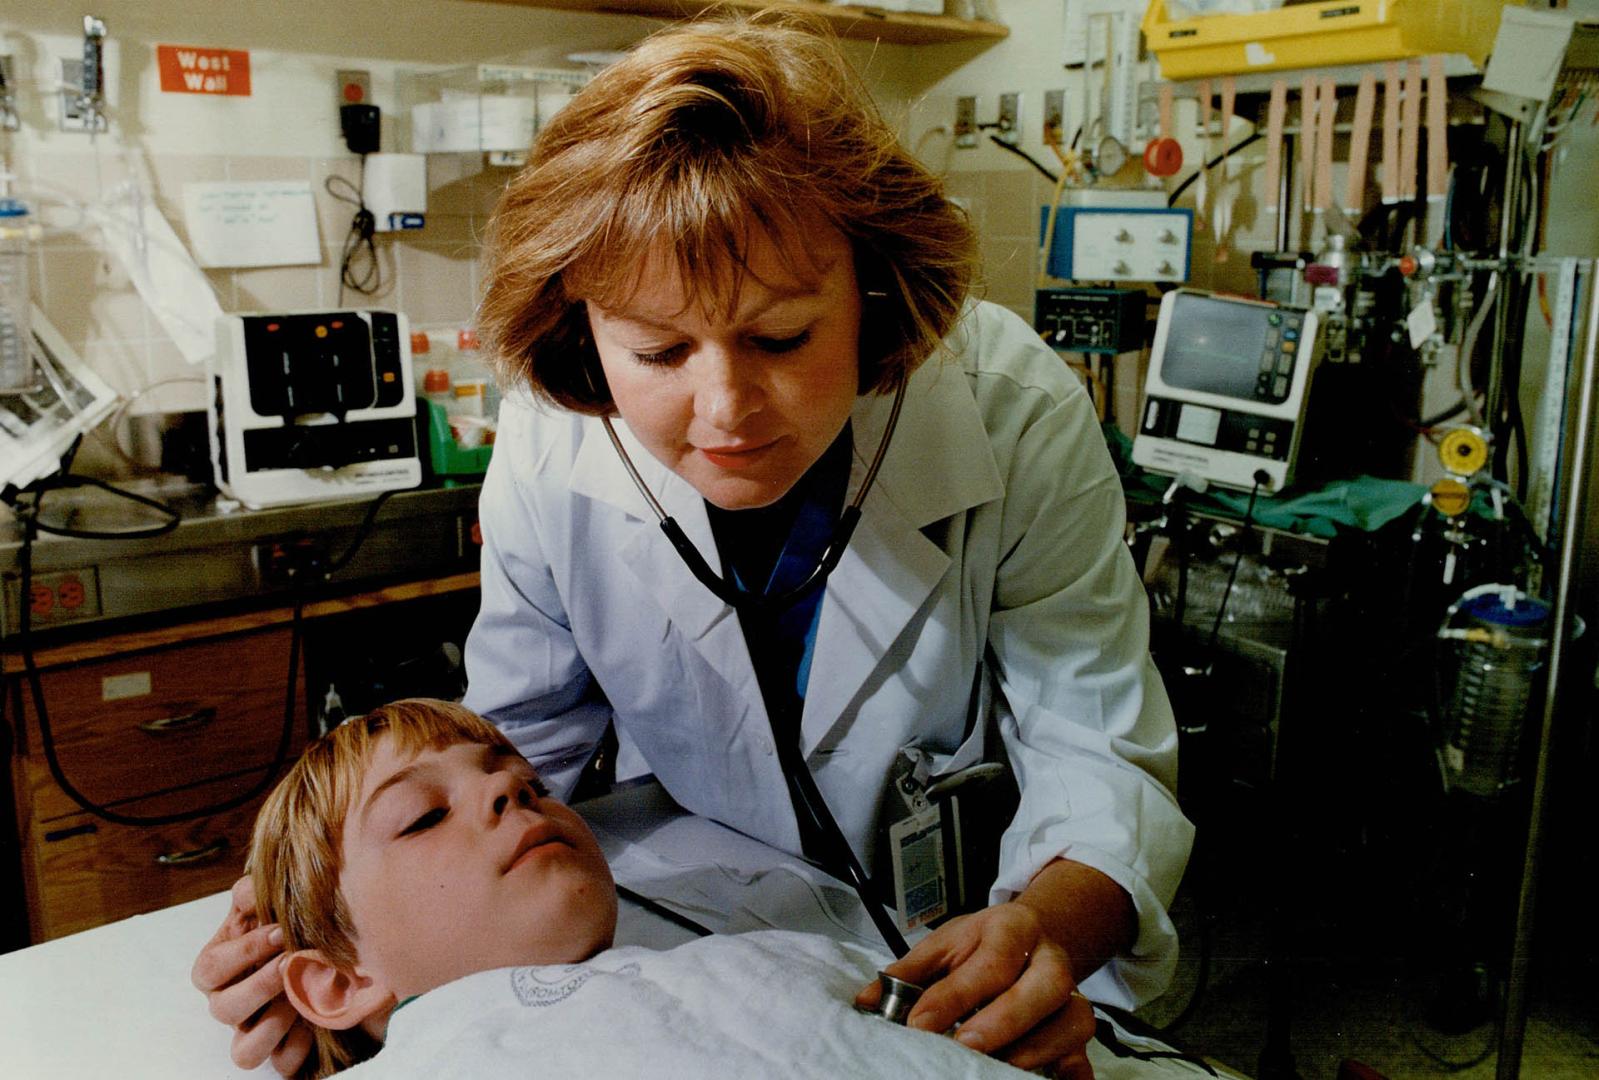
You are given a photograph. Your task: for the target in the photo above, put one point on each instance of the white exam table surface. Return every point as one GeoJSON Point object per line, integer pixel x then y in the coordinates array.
{"type": "Point", "coordinates": [116, 1001]}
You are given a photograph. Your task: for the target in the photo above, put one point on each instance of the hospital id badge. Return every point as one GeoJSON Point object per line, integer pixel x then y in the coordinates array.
{"type": "Point", "coordinates": [916, 844]}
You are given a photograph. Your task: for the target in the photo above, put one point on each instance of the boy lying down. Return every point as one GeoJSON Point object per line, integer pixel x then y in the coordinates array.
{"type": "Point", "coordinates": [443, 916]}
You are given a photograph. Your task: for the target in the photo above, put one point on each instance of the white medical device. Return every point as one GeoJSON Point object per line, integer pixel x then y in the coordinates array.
{"type": "Point", "coordinates": [311, 406]}
{"type": "Point", "coordinates": [62, 400]}
{"type": "Point", "coordinates": [1225, 396]}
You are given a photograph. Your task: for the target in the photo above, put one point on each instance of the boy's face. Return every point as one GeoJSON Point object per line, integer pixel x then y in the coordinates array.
{"type": "Point", "coordinates": [456, 861]}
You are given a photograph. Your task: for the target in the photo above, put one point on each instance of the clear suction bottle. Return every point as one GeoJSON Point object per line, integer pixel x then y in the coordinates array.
{"type": "Point", "coordinates": [16, 252]}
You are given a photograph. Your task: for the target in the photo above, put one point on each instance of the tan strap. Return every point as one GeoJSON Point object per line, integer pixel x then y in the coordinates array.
{"type": "Point", "coordinates": [1410, 136]}
{"type": "Point", "coordinates": [1324, 143]}
{"type": "Point", "coordinates": [1437, 128]}
{"type": "Point", "coordinates": [1360, 143]}
{"type": "Point", "coordinates": [1276, 112]}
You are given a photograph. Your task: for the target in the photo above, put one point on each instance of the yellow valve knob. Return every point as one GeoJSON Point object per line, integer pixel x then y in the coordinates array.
{"type": "Point", "coordinates": [1463, 452]}
{"type": "Point", "coordinates": [1450, 497]}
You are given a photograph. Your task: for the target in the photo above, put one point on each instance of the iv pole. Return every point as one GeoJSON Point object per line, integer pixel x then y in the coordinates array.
{"type": "Point", "coordinates": [1575, 469]}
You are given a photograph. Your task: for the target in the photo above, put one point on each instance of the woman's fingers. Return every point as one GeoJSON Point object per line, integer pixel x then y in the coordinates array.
{"type": "Point", "coordinates": [1026, 1008]}
{"type": "Point", "coordinates": [256, 1041]}
{"type": "Point", "coordinates": [291, 1052]}
{"type": "Point", "coordinates": [234, 1005]}
{"type": "Point", "coordinates": [226, 960]}
{"type": "Point", "coordinates": [1059, 1045]}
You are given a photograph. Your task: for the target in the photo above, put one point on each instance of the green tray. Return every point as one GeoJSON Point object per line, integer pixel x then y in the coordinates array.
{"type": "Point", "coordinates": [449, 459]}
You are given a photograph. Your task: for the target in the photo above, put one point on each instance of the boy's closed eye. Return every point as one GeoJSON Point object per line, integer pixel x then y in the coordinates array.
{"type": "Point", "coordinates": [426, 821]}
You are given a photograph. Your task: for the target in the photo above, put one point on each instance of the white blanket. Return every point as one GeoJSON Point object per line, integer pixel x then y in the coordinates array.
{"type": "Point", "coordinates": [763, 1004]}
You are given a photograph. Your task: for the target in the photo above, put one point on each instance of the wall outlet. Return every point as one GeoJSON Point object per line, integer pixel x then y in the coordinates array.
{"type": "Point", "coordinates": [1009, 126]}
{"type": "Point", "coordinates": [353, 87]}
{"type": "Point", "coordinates": [965, 122]}
{"type": "Point", "coordinates": [73, 115]}
{"type": "Point", "coordinates": [1055, 118]}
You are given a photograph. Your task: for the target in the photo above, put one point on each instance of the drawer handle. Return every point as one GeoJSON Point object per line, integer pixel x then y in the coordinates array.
{"type": "Point", "coordinates": [194, 857]}
{"type": "Point", "coordinates": [168, 724]}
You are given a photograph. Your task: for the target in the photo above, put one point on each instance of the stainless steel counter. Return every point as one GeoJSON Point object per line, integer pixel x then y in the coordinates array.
{"type": "Point", "coordinates": [220, 552]}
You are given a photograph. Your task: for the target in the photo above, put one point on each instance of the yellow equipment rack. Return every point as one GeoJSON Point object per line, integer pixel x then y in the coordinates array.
{"type": "Point", "coordinates": [1325, 34]}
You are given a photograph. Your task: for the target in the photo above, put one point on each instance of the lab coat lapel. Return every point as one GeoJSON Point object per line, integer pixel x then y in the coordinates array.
{"type": "Point", "coordinates": [938, 465]}
{"type": "Point", "coordinates": [652, 563]}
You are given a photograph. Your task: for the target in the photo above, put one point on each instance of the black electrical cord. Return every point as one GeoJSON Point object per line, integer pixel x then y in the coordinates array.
{"type": "Point", "coordinates": [1260, 478]}
{"type": "Point", "coordinates": [27, 512]}
{"type": "Point", "coordinates": [1025, 156]}
{"type": "Point", "coordinates": [358, 244]}
{"type": "Point", "coordinates": [341, 561]}
{"type": "Point", "coordinates": [1171, 200]}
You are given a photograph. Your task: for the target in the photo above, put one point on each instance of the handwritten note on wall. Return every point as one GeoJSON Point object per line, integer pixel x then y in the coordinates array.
{"type": "Point", "coordinates": [259, 223]}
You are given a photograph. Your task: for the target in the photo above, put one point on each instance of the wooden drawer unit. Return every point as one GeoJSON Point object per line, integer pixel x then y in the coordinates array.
{"type": "Point", "coordinates": [83, 871]}
{"type": "Point", "coordinates": [169, 730]}
{"type": "Point", "coordinates": [171, 719]}
{"type": "Point", "coordinates": [168, 718]}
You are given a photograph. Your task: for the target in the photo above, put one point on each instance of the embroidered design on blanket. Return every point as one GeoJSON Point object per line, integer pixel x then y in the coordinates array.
{"type": "Point", "coordinates": [536, 988]}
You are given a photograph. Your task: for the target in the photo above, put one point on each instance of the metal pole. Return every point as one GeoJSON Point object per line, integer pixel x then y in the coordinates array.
{"type": "Point", "coordinates": [1507, 216]}
{"type": "Point", "coordinates": [1514, 1025]}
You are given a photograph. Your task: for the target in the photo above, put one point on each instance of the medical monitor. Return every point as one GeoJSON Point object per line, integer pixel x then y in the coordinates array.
{"type": "Point", "coordinates": [1225, 395]}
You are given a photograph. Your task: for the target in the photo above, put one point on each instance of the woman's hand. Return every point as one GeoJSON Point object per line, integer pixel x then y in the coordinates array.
{"type": "Point", "coordinates": [1011, 983]}
{"type": "Point", "coordinates": [238, 972]}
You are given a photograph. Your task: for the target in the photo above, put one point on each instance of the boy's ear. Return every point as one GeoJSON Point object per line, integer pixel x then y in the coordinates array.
{"type": "Point", "coordinates": [329, 997]}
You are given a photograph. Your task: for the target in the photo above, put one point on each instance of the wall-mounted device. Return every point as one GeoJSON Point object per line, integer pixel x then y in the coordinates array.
{"type": "Point", "coordinates": [1102, 321]}
{"type": "Point", "coordinates": [64, 400]}
{"type": "Point", "coordinates": [1119, 243]}
{"type": "Point", "coordinates": [394, 187]}
{"type": "Point", "coordinates": [83, 83]}
{"type": "Point", "coordinates": [314, 405]}
{"type": "Point", "coordinates": [1225, 397]}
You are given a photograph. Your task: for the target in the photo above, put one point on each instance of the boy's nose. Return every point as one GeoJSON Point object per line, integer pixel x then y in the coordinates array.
{"type": "Point", "coordinates": [504, 790]}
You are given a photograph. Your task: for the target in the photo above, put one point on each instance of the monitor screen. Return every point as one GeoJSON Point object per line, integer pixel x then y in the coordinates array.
{"type": "Point", "coordinates": [1215, 345]}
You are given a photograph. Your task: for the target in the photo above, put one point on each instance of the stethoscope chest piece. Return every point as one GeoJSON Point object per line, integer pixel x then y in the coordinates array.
{"type": "Point", "coordinates": [897, 999]}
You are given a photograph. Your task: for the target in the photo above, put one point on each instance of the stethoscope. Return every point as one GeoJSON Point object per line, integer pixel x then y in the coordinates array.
{"type": "Point", "coordinates": [742, 599]}
{"type": "Point", "coordinates": [789, 757]}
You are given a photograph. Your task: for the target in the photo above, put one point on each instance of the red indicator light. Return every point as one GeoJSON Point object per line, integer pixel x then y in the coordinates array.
{"type": "Point", "coordinates": [271, 326]}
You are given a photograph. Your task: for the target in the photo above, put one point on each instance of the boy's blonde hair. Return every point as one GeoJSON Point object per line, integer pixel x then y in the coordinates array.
{"type": "Point", "coordinates": [296, 852]}
{"type": "Point", "coordinates": [700, 136]}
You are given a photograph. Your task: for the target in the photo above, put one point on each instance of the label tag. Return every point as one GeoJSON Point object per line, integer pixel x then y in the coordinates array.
{"type": "Point", "coordinates": [1421, 322]}
{"type": "Point", "coordinates": [917, 846]}
{"type": "Point", "coordinates": [121, 687]}
{"type": "Point", "coordinates": [194, 69]}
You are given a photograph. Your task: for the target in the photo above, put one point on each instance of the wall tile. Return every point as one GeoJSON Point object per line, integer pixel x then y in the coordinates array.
{"type": "Point", "coordinates": [88, 298]}
{"type": "Point", "coordinates": [436, 283]}
{"type": "Point", "coordinates": [276, 288]}
{"type": "Point", "coordinates": [250, 168]}
{"type": "Point", "coordinates": [1012, 208]}
{"type": "Point", "coordinates": [169, 172]}
{"type": "Point", "coordinates": [327, 278]}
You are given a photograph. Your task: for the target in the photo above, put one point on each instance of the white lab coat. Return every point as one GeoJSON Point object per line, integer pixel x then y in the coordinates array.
{"type": "Point", "coordinates": [993, 535]}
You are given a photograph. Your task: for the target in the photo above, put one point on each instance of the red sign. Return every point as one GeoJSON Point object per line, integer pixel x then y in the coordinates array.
{"type": "Point", "coordinates": [190, 69]}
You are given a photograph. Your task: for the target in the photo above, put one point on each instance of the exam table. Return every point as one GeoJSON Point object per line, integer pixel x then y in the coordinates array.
{"type": "Point", "coordinates": [116, 1001]}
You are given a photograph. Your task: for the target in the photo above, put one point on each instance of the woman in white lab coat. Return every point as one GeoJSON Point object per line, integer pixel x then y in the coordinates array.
{"type": "Point", "coordinates": [718, 247]}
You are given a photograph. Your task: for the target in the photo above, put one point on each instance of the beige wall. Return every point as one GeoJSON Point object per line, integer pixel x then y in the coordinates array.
{"type": "Point", "coordinates": [287, 129]}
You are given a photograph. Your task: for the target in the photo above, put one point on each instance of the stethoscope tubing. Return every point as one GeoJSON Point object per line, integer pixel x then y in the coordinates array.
{"type": "Point", "coordinates": [789, 758]}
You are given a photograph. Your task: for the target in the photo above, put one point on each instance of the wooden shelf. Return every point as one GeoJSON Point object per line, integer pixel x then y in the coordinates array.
{"type": "Point", "coordinates": [851, 21]}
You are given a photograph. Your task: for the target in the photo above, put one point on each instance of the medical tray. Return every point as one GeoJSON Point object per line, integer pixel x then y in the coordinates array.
{"type": "Point", "coordinates": [1324, 34]}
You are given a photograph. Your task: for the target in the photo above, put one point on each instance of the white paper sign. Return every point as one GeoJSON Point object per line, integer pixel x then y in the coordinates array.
{"type": "Point", "coordinates": [252, 223]}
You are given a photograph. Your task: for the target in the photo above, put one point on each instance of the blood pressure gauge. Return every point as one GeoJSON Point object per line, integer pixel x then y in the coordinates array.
{"type": "Point", "coordinates": [1109, 156]}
